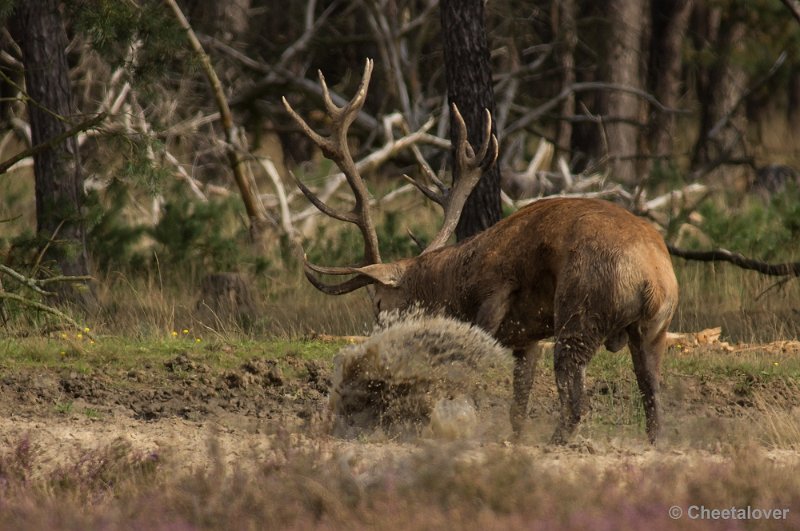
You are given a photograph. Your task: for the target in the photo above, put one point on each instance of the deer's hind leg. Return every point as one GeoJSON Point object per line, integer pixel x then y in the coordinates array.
{"type": "Point", "coordinates": [570, 358]}
{"type": "Point", "coordinates": [525, 361]}
{"type": "Point", "coordinates": [646, 351]}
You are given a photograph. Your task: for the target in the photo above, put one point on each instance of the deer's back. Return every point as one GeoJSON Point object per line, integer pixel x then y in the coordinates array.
{"type": "Point", "coordinates": [569, 260]}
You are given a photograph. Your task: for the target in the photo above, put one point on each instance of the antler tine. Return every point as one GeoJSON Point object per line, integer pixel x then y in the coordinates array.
{"type": "Point", "coordinates": [324, 143]}
{"type": "Point", "coordinates": [430, 194]}
{"type": "Point", "coordinates": [347, 113]}
{"type": "Point", "coordinates": [339, 289]}
{"type": "Point", "coordinates": [321, 205]}
{"type": "Point", "coordinates": [469, 168]}
{"type": "Point", "coordinates": [334, 146]}
{"type": "Point", "coordinates": [488, 137]}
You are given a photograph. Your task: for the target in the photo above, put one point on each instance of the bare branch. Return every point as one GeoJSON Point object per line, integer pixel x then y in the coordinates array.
{"type": "Point", "coordinates": [723, 255]}
{"type": "Point", "coordinates": [244, 180]}
{"type": "Point", "coordinates": [272, 172]}
{"type": "Point", "coordinates": [72, 131]}
{"type": "Point", "coordinates": [794, 7]}
{"type": "Point", "coordinates": [554, 102]}
{"type": "Point", "coordinates": [45, 308]}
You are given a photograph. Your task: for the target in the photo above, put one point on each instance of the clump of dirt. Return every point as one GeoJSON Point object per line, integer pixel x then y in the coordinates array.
{"type": "Point", "coordinates": [408, 369]}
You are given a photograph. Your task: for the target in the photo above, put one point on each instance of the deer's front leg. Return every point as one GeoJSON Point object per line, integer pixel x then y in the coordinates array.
{"type": "Point", "coordinates": [525, 360]}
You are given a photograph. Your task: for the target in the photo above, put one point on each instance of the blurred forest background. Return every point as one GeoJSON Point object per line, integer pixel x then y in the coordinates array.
{"type": "Point", "coordinates": [685, 111]}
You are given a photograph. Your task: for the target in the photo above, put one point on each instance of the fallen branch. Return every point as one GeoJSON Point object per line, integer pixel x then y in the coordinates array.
{"type": "Point", "coordinates": [45, 308]}
{"type": "Point", "coordinates": [72, 131]}
{"type": "Point", "coordinates": [723, 255]}
{"type": "Point", "coordinates": [36, 284]}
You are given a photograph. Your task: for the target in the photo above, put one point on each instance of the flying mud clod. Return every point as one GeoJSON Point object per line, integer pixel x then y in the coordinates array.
{"type": "Point", "coordinates": [416, 375]}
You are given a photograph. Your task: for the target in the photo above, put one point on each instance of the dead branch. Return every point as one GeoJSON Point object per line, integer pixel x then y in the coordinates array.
{"type": "Point", "coordinates": [244, 180]}
{"type": "Point", "coordinates": [5, 295]}
{"type": "Point", "coordinates": [693, 193]}
{"type": "Point", "coordinates": [551, 104]}
{"type": "Point", "coordinates": [794, 7]}
{"type": "Point", "coordinates": [37, 285]}
{"type": "Point", "coordinates": [286, 216]}
{"type": "Point", "coordinates": [387, 38]}
{"type": "Point", "coordinates": [72, 131]}
{"type": "Point", "coordinates": [276, 75]}
{"type": "Point", "coordinates": [723, 255]}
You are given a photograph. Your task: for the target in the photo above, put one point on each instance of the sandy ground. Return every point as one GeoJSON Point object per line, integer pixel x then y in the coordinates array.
{"type": "Point", "coordinates": [188, 413]}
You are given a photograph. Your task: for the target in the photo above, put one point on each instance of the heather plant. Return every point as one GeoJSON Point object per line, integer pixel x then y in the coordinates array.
{"type": "Point", "coordinates": [435, 486]}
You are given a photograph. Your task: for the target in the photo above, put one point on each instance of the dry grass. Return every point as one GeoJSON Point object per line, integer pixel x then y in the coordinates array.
{"type": "Point", "coordinates": [749, 307]}
{"type": "Point", "coordinates": [286, 306]}
{"type": "Point", "coordinates": [433, 487]}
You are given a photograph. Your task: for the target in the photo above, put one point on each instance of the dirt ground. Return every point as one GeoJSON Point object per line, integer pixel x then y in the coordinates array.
{"type": "Point", "coordinates": [179, 408]}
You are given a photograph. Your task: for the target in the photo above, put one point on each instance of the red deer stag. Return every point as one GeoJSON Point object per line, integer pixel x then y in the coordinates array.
{"type": "Point", "coordinates": [585, 271]}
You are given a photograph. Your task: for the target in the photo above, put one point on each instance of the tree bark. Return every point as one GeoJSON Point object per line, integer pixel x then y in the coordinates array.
{"type": "Point", "coordinates": [725, 84]}
{"type": "Point", "coordinates": [626, 20]}
{"type": "Point", "coordinates": [793, 109]}
{"type": "Point", "coordinates": [565, 28]}
{"type": "Point", "coordinates": [670, 23]}
{"type": "Point", "coordinates": [469, 86]}
{"type": "Point", "coordinates": [38, 28]}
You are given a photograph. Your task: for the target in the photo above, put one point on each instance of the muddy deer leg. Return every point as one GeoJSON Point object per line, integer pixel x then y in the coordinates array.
{"type": "Point", "coordinates": [525, 360]}
{"type": "Point", "coordinates": [570, 359]}
{"type": "Point", "coordinates": [646, 354]}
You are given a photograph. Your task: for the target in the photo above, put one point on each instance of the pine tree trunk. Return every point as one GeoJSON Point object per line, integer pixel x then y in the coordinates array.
{"type": "Point", "coordinates": [793, 110]}
{"type": "Point", "coordinates": [469, 86]}
{"type": "Point", "coordinates": [567, 32]}
{"type": "Point", "coordinates": [670, 23]}
{"type": "Point", "coordinates": [626, 21]}
{"type": "Point", "coordinates": [726, 83]}
{"type": "Point", "coordinates": [38, 29]}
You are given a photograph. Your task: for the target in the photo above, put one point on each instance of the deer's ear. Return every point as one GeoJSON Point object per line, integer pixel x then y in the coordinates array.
{"type": "Point", "coordinates": [386, 274]}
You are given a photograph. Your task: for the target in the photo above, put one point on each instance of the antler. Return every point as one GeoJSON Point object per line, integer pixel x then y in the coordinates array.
{"type": "Point", "coordinates": [469, 168]}
{"type": "Point", "coordinates": [334, 146]}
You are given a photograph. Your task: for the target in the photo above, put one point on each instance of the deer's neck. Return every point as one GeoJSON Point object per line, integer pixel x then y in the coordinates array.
{"type": "Point", "coordinates": [438, 281]}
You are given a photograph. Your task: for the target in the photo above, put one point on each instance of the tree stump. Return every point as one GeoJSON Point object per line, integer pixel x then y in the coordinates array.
{"type": "Point", "coordinates": [227, 298]}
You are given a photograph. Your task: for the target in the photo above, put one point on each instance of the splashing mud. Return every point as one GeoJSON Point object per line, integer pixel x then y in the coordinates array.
{"type": "Point", "coordinates": [415, 375]}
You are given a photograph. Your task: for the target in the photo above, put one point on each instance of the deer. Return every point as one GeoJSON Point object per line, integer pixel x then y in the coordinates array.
{"type": "Point", "coordinates": [586, 272]}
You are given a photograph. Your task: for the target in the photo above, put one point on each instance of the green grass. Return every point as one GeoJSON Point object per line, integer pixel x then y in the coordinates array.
{"type": "Point", "coordinates": [124, 354]}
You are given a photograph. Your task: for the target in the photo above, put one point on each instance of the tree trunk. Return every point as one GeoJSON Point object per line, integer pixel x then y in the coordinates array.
{"type": "Point", "coordinates": [670, 22]}
{"type": "Point", "coordinates": [38, 28]}
{"type": "Point", "coordinates": [726, 83]}
{"type": "Point", "coordinates": [627, 20]}
{"type": "Point", "coordinates": [565, 28]}
{"type": "Point", "coordinates": [793, 110]}
{"type": "Point", "coordinates": [469, 86]}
